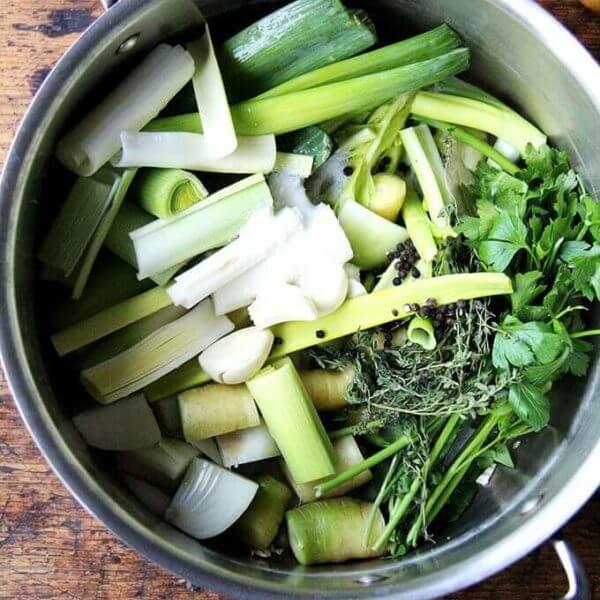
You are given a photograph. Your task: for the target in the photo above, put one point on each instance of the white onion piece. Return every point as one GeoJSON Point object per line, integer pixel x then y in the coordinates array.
{"type": "Point", "coordinates": [246, 446]}
{"type": "Point", "coordinates": [327, 285]}
{"type": "Point", "coordinates": [131, 105]}
{"type": "Point", "coordinates": [261, 235]}
{"type": "Point", "coordinates": [193, 151]}
{"type": "Point", "coordinates": [237, 357]}
{"type": "Point", "coordinates": [280, 304]}
{"type": "Point", "coordinates": [151, 497]}
{"type": "Point", "coordinates": [288, 190]}
{"type": "Point", "coordinates": [211, 99]}
{"type": "Point", "coordinates": [209, 500]}
{"type": "Point", "coordinates": [110, 427]}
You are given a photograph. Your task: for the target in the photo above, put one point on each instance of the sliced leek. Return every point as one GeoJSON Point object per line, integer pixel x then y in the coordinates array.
{"type": "Point", "coordinates": [247, 446]}
{"type": "Point", "coordinates": [328, 389]}
{"type": "Point", "coordinates": [150, 496]}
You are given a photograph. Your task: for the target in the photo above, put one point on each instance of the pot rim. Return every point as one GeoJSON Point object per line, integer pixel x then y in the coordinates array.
{"type": "Point", "coordinates": [86, 489]}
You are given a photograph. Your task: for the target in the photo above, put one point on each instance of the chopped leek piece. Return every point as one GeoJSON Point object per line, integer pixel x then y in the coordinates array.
{"type": "Point", "coordinates": [331, 531]}
{"type": "Point", "coordinates": [419, 227]}
{"type": "Point", "coordinates": [209, 500]}
{"type": "Point", "coordinates": [310, 141]}
{"type": "Point", "coordinates": [295, 164]}
{"type": "Point", "coordinates": [162, 465]}
{"type": "Point", "coordinates": [211, 98]}
{"type": "Point", "coordinates": [293, 421]}
{"type": "Point", "coordinates": [215, 409]}
{"type": "Point", "coordinates": [212, 223]}
{"type": "Point", "coordinates": [420, 331]}
{"type": "Point", "coordinates": [150, 496]}
{"type": "Point", "coordinates": [134, 102]}
{"type": "Point", "coordinates": [161, 352]}
{"type": "Point", "coordinates": [110, 427]}
{"type": "Point", "coordinates": [209, 449]}
{"type": "Point", "coordinates": [501, 122]}
{"type": "Point", "coordinates": [237, 357]}
{"type": "Point", "coordinates": [110, 320]}
{"type": "Point", "coordinates": [298, 38]}
{"type": "Point", "coordinates": [259, 525]}
{"type": "Point", "coordinates": [189, 375]}
{"type": "Point", "coordinates": [346, 454]}
{"type": "Point", "coordinates": [129, 218]}
{"type": "Point", "coordinates": [167, 414]}
{"type": "Point", "coordinates": [167, 192]}
{"type": "Point", "coordinates": [181, 150]}
{"type": "Point", "coordinates": [421, 47]}
{"type": "Point", "coordinates": [246, 446]}
{"type": "Point", "coordinates": [327, 389]}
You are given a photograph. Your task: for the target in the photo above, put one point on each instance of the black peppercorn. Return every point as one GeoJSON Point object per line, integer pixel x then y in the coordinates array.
{"type": "Point", "coordinates": [397, 281]}
{"type": "Point", "coordinates": [415, 272]}
{"type": "Point", "coordinates": [348, 171]}
{"type": "Point", "coordinates": [320, 334]}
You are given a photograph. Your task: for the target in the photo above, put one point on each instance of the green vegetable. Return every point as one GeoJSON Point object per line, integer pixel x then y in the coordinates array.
{"type": "Point", "coordinates": [419, 226]}
{"type": "Point", "coordinates": [327, 389]}
{"type": "Point", "coordinates": [420, 331]}
{"type": "Point", "coordinates": [293, 422]}
{"type": "Point", "coordinates": [166, 192]}
{"type": "Point", "coordinates": [388, 196]}
{"type": "Point", "coordinates": [258, 526]}
{"type": "Point", "coordinates": [312, 141]}
{"type": "Point", "coordinates": [167, 414]}
{"type": "Point", "coordinates": [331, 531]}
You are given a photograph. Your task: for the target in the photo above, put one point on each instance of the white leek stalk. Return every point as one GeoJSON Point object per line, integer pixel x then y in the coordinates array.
{"type": "Point", "coordinates": [209, 500]}
{"type": "Point", "coordinates": [193, 151]}
{"type": "Point", "coordinates": [246, 446]}
{"type": "Point", "coordinates": [211, 98]}
{"type": "Point", "coordinates": [133, 103]}
{"type": "Point", "coordinates": [282, 303]}
{"type": "Point", "coordinates": [158, 354]}
{"type": "Point", "coordinates": [327, 388]}
{"type": "Point", "coordinates": [300, 165]}
{"type": "Point", "coordinates": [110, 427]}
{"type": "Point", "coordinates": [237, 357]}
{"type": "Point", "coordinates": [150, 496]}
{"type": "Point", "coordinates": [262, 234]}
{"type": "Point", "coordinates": [209, 224]}
{"type": "Point", "coordinates": [209, 448]}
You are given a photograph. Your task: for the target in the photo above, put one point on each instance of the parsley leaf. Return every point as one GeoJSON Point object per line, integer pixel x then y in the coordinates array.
{"type": "Point", "coordinates": [530, 404]}
{"type": "Point", "coordinates": [589, 210]}
{"type": "Point", "coordinates": [527, 289]}
{"type": "Point", "coordinates": [506, 237]}
{"type": "Point", "coordinates": [579, 360]}
{"type": "Point", "coordinates": [586, 272]}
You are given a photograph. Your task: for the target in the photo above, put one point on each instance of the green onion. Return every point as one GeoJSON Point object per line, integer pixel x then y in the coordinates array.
{"type": "Point", "coordinates": [420, 331]}
{"type": "Point", "coordinates": [259, 525]}
{"type": "Point", "coordinates": [167, 192]}
{"type": "Point", "coordinates": [159, 353]}
{"type": "Point", "coordinates": [293, 421]}
{"type": "Point", "coordinates": [332, 531]}
{"type": "Point", "coordinates": [311, 141]}
{"type": "Point", "coordinates": [503, 123]}
{"type": "Point", "coordinates": [215, 409]}
{"type": "Point", "coordinates": [419, 226]}
{"type": "Point", "coordinates": [110, 320]}
{"type": "Point", "coordinates": [430, 44]}
{"type": "Point", "coordinates": [300, 37]}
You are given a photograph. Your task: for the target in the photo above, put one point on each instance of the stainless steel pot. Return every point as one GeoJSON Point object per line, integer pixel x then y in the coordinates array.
{"type": "Point", "coordinates": [521, 53]}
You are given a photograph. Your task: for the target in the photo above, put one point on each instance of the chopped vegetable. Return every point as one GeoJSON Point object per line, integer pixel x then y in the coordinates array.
{"type": "Point", "coordinates": [295, 164]}
{"type": "Point", "coordinates": [310, 141]}
{"type": "Point", "coordinates": [419, 227]}
{"type": "Point", "coordinates": [327, 389]}
{"type": "Point", "coordinates": [150, 496]}
{"type": "Point", "coordinates": [388, 196]}
{"type": "Point", "coordinates": [282, 303]}
{"type": "Point", "coordinates": [167, 414]}
{"type": "Point", "coordinates": [420, 331]}
{"type": "Point", "coordinates": [246, 446]}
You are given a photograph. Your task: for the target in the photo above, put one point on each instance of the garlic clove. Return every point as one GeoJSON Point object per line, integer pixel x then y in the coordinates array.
{"type": "Point", "coordinates": [327, 285]}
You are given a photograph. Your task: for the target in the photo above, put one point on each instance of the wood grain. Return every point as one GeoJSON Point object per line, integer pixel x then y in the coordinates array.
{"type": "Point", "coordinates": [49, 546]}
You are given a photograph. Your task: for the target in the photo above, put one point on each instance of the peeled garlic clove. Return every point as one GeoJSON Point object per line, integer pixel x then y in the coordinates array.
{"type": "Point", "coordinates": [279, 304]}
{"type": "Point", "coordinates": [237, 357]}
{"type": "Point", "coordinates": [326, 285]}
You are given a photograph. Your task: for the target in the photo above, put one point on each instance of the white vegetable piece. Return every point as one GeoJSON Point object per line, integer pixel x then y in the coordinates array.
{"type": "Point", "coordinates": [507, 150]}
{"type": "Point", "coordinates": [130, 106]}
{"type": "Point", "coordinates": [282, 303]}
{"type": "Point", "coordinates": [356, 288]}
{"type": "Point", "coordinates": [246, 446]}
{"type": "Point", "coordinates": [298, 165]}
{"type": "Point", "coordinates": [110, 427]}
{"type": "Point", "coordinates": [237, 357]}
{"type": "Point", "coordinates": [211, 99]}
{"type": "Point", "coordinates": [288, 190]}
{"type": "Point", "coordinates": [209, 448]}
{"type": "Point", "coordinates": [150, 496]}
{"type": "Point", "coordinates": [194, 152]}
{"type": "Point", "coordinates": [327, 285]}
{"type": "Point", "coordinates": [262, 234]}
{"type": "Point", "coordinates": [209, 500]}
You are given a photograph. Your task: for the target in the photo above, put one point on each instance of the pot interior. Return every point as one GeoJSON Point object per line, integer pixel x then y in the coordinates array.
{"type": "Point", "coordinates": [511, 59]}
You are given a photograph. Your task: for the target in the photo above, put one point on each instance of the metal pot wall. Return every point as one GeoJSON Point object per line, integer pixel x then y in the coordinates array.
{"type": "Point", "coordinates": [519, 52]}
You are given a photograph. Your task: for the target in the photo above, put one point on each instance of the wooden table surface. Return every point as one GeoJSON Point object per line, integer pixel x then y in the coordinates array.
{"type": "Point", "coordinates": [50, 547]}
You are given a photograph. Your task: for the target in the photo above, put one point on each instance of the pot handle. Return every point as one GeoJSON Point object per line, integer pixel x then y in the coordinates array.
{"type": "Point", "coordinates": [579, 585]}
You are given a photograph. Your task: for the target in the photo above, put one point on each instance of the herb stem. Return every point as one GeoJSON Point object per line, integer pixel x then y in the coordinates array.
{"type": "Point", "coordinates": [379, 499]}
{"type": "Point", "coordinates": [583, 334]}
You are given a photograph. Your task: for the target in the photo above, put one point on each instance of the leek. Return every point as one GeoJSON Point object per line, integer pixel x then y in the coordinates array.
{"type": "Point", "coordinates": [167, 192]}
{"type": "Point", "coordinates": [346, 455]}
{"type": "Point", "coordinates": [212, 223]}
{"type": "Point", "coordinates": [246, 446]}
{"type": "Point", "coordinates": [134, 102]}
{"type": "Point", "coordinates": [209, 500]}
{"type": "Point", "coordinates": [261, 235]}
{"type": "Point", "coordinates": [331, 531]}
{"type": "Point", "coordinates": [300, 165]}
{"type": "Point", "coordinates": [209, 449]}
{"type": "Point", "coordinates": [150, 496]}
{"type": "Point", "coordinates": [327, 389]}
{"type": "Point", "coordinates": [427, 165]}
{"type": "Point", "coordinates": [420, 331]}
{"type": "Point", "coordinates": [503, 123]}
{"type": "Point", "coordinates": [181, 150]}
{"type": "Point", "coordinates": [259, 525]}
{"type": "Point", "coordinates": [419, 227]}
{"type": "Point", "coordinates": [128, 219]}
{"type": "Point", "coordinates": [302, 36]}
{"type": "Point", "coordinates": [293, 421]}
{"type": "Point", "coordinates": [310, 141]}
{"type": "Point", "coordinates": [237, 357]}
{"type": "Point", "coordinates": [187, 376]}
{"type": "Point", "coordinates": [216, 409]}
{"type": "Point", "coordinates": [430, 44]}
{"type": "Point", "coordinates": [110, 320]}
{"type": "Point", "coordinates": [211, 98]}
{"type": "Point", "coordinates": [109, 427]}
{"type": "Point", "coordinates": [159, 353]}
{"type": "Point", "coordinates": [162, 465]}
{"type": "Point", "coordinates": [167, 414]}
